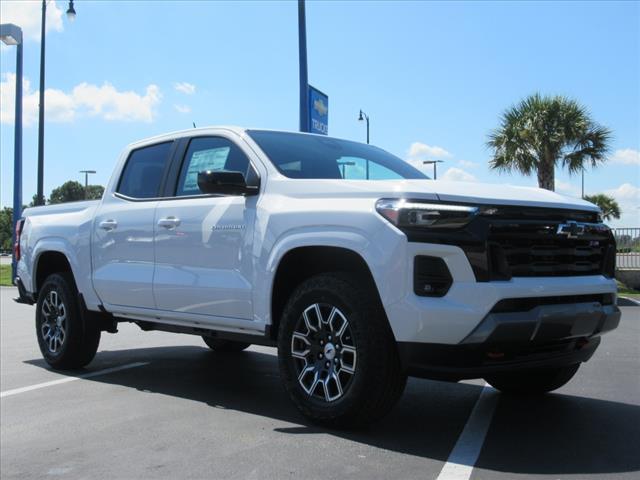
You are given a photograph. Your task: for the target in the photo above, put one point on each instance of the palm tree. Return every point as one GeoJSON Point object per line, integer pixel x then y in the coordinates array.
{"type": "Point", "coordinates": [543, 131]}
{"type": "Point", "coordinates": [608, 205]}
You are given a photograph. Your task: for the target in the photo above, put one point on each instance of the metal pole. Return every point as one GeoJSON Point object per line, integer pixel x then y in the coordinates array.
{"type": "Point", "coordinates": [17, 155]}
{"type": "Point", "coordinates": [582, 183]}
{"type": "Point", "coordinates": [86, 185]}
{"type": "Point", "coordinates": [304, 81]}
{"type": "Point", "coordinates": [40, 192]}
{"type": "Point", "coordinates": [435, 171]}
{"type": "Point", "coordinates": [367, 129]}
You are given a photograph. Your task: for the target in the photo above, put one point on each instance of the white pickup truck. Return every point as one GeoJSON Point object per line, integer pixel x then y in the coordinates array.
{"type": "Point", "coordinates": [358, 267]}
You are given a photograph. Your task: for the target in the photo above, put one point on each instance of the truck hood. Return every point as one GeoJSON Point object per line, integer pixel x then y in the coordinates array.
{"type": "Point", "coordinates": [446, 191]}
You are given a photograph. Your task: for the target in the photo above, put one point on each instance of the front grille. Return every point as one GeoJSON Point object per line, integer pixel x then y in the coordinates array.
{"type": "Point", "coordinates": [535, 250]}
{"type": "Point", "coordinates": [505, 242]}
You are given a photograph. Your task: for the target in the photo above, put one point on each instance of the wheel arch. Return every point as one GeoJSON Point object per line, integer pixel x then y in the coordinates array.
{"type": "Point", "coordinates": [47, 263]}
{"type": "Point", "coordinates": [303, 262]}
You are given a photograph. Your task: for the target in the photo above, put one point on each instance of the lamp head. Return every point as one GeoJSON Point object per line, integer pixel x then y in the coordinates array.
{"type": "Point", "coordinates": [71, 12]}
{"type": "Point", "coordinates": [360, 117]}
{"type": "Point", "coordinates": [10, 34]}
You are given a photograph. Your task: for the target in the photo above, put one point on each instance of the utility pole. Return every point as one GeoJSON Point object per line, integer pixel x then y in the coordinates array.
{"type": "Point", "coordinates": [40, 191]}
{"type": "Point", "coordinates": [86, 182]}
{"type": "Point", "coordinates": [304, 81]}
{"type": "Point", "coordinates": [12, 35]}
{"type": "Point", "coordinates": [71, 15]}
{"type": "Point", "coordinates": [434, 163]}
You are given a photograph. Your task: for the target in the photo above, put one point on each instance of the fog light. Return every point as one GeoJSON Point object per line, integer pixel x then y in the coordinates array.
{"type": "Point", "coordinates": [431, 277]}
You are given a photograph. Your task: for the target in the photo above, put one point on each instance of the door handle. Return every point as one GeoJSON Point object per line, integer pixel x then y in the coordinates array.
{"type": "Point", "coordinates": [169, 222]}
{"type": "Point", "coordinates": [108, 224]}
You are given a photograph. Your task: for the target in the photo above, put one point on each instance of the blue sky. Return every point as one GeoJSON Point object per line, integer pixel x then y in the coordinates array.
{"type": "Point", "coordinates": [433, 77]}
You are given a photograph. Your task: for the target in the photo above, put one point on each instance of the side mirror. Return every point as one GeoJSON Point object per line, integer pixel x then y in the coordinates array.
{"type": "Point", "coordinates": [225, 183]}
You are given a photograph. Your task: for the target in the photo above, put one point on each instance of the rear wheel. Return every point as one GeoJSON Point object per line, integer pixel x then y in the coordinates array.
{"type": "Point", "coordinates": [337, 355]}
{"type": "Point", "coordinates": [220, 345]}
{"type": "Point", "coordinates": [533, 381]}
{"type": "Point", "coordinates": [65, 339]}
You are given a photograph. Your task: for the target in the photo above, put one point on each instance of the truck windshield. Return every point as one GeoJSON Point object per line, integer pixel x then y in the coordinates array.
{"type": "Point", "coordinates": [298, 155]}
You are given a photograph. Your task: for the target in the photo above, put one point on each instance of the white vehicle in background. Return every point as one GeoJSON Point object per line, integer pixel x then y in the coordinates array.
{"type": "Point", "coordinates": [359, 268]}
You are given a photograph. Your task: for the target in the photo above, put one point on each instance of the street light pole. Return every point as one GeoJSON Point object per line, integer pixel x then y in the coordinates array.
{"type": "Point", "coordinates": [364, 116]}
{"type": "Point", "coordinates": [582, 183]}
{"type": "Point", "coordinates": [40, 191]}
{"type": "Point", "coordinates": [361, 117]}
{"type": "Point", "coordinates": [86, 181]}
{"type": "Point", "coordinates": [434, 163]}
{"type": "Point", "coordinates": [304, 80]}
{"type": "Point", "coordinates": [12, 35]}
{"type": "Point", "coordinates": [71, 15]}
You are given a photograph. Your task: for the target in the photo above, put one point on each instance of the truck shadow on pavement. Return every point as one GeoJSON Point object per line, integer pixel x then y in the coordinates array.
{"type": "Point", "coordinates": [555, 434]}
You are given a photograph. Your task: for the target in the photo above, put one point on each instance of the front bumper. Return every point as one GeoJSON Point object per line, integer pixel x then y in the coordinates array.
{"type": "Point", "coordinates": [543, 336]}
{"type": "Point", "coordinates": [451, 318]}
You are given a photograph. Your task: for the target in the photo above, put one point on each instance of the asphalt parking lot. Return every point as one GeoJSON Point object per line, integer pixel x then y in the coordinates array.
{"type": "Point", "coordinates": [173, 409]}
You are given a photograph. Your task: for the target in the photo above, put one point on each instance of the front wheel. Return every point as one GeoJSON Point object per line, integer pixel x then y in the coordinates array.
{"type": "Point", "coordinates": [337, 355]}
{"type": "Point", "coordinates": [534, 381]}
{"type": "Point", "coordinates": [65, 339]}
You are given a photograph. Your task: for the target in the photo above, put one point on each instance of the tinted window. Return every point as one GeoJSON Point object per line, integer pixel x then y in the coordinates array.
{"type": "Point", "coordinates": [143, 172]}
{"type": "Point", "coordinates": [209, 153]}
{"type": "Point", "coordinates": [310, 156]}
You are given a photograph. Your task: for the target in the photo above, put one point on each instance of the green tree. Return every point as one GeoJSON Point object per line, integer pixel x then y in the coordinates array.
{"type": "Point", "coordinates": [6, 228]}
{"type": "Point", "coordinates": [608, 205]}
{"type": "Point", "coordinates": [73, 191]}
{"type": "Point", "coordinates": [543, 131]}
{"type": "Point", "coordinates": [34, 199]}
{"type": "Point", "coordinates": [70, 191]}
{"type": "Point", "coordinates": [94, 192]}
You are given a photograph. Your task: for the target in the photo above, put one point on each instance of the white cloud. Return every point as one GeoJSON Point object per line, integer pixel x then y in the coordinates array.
{"type": "Point", "coordinates": [468, 164]}
{"type": "Point", "coordinates": [85, 99]}
{"type": "Point", "coordinates": [185, 87]}
{"type": "Point", "coordinates": [628, 197]}
{"type": "Point", "coordinates": [27, 15]}
{"type": "Point", "coordinates": [111, 104]}
{"type": "Point", "coordinates": [455, 174]}
{"type": "Point", "coordinates": [419, 152]}
{"type": "Point", "coordinates": [422, 151]}
{"type": "Point", "coordinates": [627, 156]}
{"type": "Point", "coordinates": [182, 108]}
{"type": "Point", "coordinates": [567, 188]}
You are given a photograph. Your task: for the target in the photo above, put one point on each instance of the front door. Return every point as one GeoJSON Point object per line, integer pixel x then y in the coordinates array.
{"type": "Point", "coordinates": [203, 242]}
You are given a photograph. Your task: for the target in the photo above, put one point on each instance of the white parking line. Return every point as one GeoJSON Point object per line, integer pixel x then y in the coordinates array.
{"type": "Point", "coordinates": [16, 391]}
{"type": "Point", "coordinates": [632, 300]}
{"type": "Point", "coordinates": [467, 449]}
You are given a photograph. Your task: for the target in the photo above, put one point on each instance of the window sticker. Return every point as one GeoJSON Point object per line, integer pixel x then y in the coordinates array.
{"type": "Point", "coordinates": [211, 159]}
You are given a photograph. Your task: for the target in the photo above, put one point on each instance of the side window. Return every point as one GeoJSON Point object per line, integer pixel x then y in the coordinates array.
{"type": "Point", "coordinates": [209, 153]}
{"type": "Point", "coordinates": [143, 171]}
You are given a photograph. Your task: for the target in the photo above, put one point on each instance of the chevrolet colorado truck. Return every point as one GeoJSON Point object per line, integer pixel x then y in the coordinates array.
{"type": "Point", "coordinates": [358, 267]}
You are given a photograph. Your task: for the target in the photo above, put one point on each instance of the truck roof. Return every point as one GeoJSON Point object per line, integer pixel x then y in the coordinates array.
{"type": "Point", "coordinates": [211, 128]}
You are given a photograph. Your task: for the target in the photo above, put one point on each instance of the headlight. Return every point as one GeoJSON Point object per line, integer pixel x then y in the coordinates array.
{"type": "Point", "coordinates": [408, 213]}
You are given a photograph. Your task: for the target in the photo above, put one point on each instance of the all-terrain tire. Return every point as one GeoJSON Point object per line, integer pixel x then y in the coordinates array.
{"type": "Point", "coordinates": [377, 381]}
{"type": "Point", "coordinates": [65, 339]}
{"type": "Point", "coordinates": [225, 346]}
{"type": "Point", "coordinates": [534, 381]}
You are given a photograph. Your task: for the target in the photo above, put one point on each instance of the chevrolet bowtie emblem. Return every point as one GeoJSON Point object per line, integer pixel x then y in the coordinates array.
{"type": "Point", "coordinates": [320, 107]}
{"type": "Point", "coordinates": [571, 229]}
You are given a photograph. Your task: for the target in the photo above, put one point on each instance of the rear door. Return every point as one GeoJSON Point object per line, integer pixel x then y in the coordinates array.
{"type": "Point", "coordinates": [203, 242]}
{"type": "Point", "coordinates": [123, 251]}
